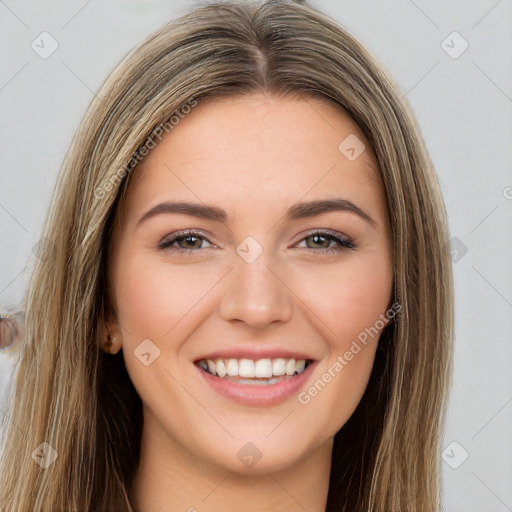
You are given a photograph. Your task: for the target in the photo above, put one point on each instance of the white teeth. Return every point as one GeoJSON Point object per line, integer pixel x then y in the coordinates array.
{"type": "Point", "coordinates": [260, 382]}
{"type": "Point", "coordinates": [211, 366]}
{"type": "Point", "coordinates": [250, 369]}
{"type": "Point", "coordinates": [246, 368]}
{"type": "Point", "coordinates": [279, 367]}
{"type": "Point", "coordinates": [290, 367]}
{"type": "Point", "coordinates": [263, 368]}
{"type": "Point", "coordinates": [220, 369]}
{"type": "Point", "coordinates": [232, 368]}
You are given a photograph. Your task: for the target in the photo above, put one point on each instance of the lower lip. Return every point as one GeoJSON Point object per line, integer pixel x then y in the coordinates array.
{"type": "Point", "coordinates": [254, 394]}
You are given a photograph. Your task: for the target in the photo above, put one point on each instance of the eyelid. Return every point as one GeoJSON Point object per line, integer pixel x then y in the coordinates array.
{"type": "Point", "coordinates": [325, 231]}
{"type": "Point", "coordinates": [167, 240]}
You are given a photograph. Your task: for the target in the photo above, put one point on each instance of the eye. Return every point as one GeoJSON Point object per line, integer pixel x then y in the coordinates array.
{"type": "Point", "coordinates": [322, 242]}
{"type": "Point", "coordinates": [189, 241]}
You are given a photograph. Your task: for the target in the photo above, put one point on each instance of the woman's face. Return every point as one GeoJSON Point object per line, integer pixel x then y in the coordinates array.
{"type": "Point", "coordinates": [253, 239]}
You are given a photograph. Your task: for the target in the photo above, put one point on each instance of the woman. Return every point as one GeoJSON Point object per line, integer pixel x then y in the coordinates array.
{"type": "Point", "coordinates": [248, 300]}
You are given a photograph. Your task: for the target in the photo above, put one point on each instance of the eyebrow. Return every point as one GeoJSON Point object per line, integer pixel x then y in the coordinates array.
{"type": "Point", "coordinates": [296, 211]}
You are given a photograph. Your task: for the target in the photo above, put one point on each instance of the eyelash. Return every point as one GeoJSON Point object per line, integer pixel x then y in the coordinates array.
{"type": "Point", "coordinates": [342, 242]}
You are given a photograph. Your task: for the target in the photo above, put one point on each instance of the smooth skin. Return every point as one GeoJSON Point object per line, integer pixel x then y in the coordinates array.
{"type": "Point", "coordinates": [254, 156]}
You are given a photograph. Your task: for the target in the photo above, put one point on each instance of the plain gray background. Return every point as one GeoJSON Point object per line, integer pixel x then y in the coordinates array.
{"type": "Point", "coordinates": [462, 98]}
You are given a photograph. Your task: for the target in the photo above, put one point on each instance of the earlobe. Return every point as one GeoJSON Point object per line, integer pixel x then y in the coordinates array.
{"type": "Point", "coordinates": [109, 338]}
{"type": "Point", "coordinates": [112, 344]}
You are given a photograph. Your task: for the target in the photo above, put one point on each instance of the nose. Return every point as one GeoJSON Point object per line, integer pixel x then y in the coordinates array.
{"type": "Point", "coordinates": [256, 294]}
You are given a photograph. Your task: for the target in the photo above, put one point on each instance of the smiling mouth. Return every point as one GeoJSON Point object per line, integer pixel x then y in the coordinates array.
{"type": "Point", "coordinates": [264, 372]}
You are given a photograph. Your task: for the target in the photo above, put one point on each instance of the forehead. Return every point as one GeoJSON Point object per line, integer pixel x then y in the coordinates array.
{"type": "Point", "coordinates": [235, 147]}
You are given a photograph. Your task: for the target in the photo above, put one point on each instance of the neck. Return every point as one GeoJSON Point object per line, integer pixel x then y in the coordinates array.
{"type": "Point", "coordinates": [169, 477]}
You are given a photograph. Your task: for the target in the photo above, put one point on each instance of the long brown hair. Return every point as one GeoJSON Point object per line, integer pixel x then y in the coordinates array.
{"type": "Point", "coordinates": [81, 401]}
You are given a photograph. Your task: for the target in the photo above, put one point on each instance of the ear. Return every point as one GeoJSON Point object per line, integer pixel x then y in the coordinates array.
{"type": "Point", "coordinates": [109, 334]}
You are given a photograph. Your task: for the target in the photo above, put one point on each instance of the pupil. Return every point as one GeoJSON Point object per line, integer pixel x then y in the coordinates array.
{"type": "Point", "coordinates": [316, 239]}
{"type": "Point", "coordinates": [188, 238]}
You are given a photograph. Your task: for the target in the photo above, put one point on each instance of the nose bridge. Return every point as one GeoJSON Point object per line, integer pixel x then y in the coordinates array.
{"type": "Point", "coordinates": [254, 293]}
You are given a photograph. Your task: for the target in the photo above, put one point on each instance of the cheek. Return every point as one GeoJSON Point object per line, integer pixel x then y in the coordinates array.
{"type": "Point", "coordinates": [151, 297]}
{"type": "Point", "coordinates": [350, 298]}
{"type": "Point", "coordinates": [348, 304]}
{"type": "Point", "coordinates": [159, 302]}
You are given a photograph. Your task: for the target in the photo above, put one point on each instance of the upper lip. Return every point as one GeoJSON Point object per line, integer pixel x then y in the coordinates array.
{"type": "Point", "coordinates": [256, 353]}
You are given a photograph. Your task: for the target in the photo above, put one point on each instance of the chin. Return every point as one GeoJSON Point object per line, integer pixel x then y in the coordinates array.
{"type": "Point", "coordinates": [254, 455]}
